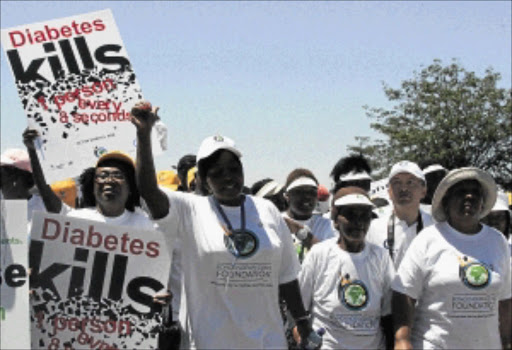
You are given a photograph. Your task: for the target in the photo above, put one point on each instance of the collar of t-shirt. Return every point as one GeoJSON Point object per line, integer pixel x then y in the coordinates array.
{"type": "Point", "coordinates": [306, 222]}
{"type": "Point", "coordinates": [403, 223]}
{"type": "Point", "coordinates": [359, 256]}
{"type": "Point", "coordinates": [464, 236]}
{"type": "Point", "coordinates": [117, 220]}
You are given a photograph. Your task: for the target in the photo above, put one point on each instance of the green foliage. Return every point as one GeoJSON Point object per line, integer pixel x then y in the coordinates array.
{"type": "Point", "coordinates": [448, 115]}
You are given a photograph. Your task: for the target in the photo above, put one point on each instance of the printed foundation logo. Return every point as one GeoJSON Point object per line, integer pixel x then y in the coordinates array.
{"type": "Point", "coordinates": [242, 244]}
{"type": "Point", "coordinates": [353, 294]}
{"type": "Point", "coordinates": [473, 305]}
{"type": "Point", "coordinates": [473, 274]}
{"type": "Point", "coordinates": [359, 324]}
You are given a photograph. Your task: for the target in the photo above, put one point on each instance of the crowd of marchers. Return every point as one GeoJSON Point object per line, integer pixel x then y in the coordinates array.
{"type": "Point", "coordinates": [427, 265]}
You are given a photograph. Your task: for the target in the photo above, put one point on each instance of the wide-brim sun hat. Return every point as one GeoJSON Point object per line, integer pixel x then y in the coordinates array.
{"type": "Point", "coordinates": [212, 144]}
{"type": "Point", "coordinates": [457, 175]}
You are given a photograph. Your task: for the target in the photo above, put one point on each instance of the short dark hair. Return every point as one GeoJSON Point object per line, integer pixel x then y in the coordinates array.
{"type": "Point", "coordinates": [259, 184]}
{"type": "Point", "coordinates": [185, 163]}
{"type": "Point", "coordinates": [19, 173]}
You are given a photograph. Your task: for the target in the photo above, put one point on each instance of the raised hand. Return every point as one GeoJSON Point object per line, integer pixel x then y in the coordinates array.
{"type": "Point", "coordinates": [144, 116]}
{"type": "Point", "coordinates": [29, 135]}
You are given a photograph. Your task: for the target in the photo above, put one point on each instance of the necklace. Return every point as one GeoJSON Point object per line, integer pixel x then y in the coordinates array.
{"type": "Point", "coordinates": [229, 231]}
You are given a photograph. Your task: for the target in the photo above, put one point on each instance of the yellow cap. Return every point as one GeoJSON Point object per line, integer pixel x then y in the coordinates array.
{"type": "Point", "coordinates": [168, 178]}
{"type": "Point", "coordinates": [66, 190]}
{"type": "Point", "coordinates": [191, 175]}
{"type": "Point", "coordinates": [118, 155]}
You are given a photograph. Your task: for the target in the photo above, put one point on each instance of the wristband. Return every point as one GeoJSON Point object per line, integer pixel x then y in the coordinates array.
{"type": "Point", "coordinates": [302, 318]}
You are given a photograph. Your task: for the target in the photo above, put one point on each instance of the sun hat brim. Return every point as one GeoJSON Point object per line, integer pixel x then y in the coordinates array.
{"type": "Point", "coordinates": [457, 175]}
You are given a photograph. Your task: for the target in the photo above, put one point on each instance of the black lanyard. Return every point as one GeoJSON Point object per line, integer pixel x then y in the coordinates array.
{"type": "Point", "coordinates": [225, 218]}
{"type": "Point", "coordinates": [391, 231]}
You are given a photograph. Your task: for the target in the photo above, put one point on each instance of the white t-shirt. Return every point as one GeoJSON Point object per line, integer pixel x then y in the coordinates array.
{"type": "Point", "coordinates": [347, 294]}
{"type": "Point", "coordinates": [404, 234]}
{"type": "Point", "coordinates": [321, 227]}
{"type": "Point", "coordinates": [137, 218]}
{"type": "Point", "coordinates": [457, 280]}
{"type": "Point", "coordinates": [229, 302]}
{"type": "Point", "coordinates": [35, 203]}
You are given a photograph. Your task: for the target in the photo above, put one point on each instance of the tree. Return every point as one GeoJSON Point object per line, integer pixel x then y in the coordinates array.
{"type": "Point", "coordinates": [448, 115]}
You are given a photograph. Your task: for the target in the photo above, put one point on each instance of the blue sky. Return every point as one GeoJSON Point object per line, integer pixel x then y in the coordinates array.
{"type": "Point", "coordinates": [285, 80]}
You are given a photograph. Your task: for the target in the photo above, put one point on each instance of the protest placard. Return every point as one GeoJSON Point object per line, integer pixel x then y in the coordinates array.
{"type": "Point", "coordinates": [93, 284]}
{"type": "Point", "coordinates": [14, 310]}
{"type": "Point", "coordinates": [77, 87]}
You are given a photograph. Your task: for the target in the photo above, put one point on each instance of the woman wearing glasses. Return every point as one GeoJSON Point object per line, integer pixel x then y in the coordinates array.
{"type": "Point", "coordinates": [109, 190]}
{"type": "Point", "coordinates": [237, 252]}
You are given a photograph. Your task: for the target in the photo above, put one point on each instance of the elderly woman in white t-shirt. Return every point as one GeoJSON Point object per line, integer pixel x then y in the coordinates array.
{"type": "Point", "coordinates": [237, 252]}
{"type": "Point", "coordinates": [346, 281]}
{"type": "Point", "coordinates": [453, 287]}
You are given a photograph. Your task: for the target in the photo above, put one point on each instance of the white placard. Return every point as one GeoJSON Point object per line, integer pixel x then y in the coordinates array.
{"type": "Point", "coordinates": [94, 284]}
{"type": "Point", "coordinates": [77, 87]}
{"type": "Point", "coordinates": [14, 310]}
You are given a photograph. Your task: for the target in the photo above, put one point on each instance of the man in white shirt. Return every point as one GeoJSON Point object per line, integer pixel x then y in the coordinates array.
{"type": "Point", "coordinates": [395, 232]}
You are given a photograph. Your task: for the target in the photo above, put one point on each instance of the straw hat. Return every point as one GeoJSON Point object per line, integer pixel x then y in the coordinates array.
{"type": "Point", "coordinates": [457, 175]}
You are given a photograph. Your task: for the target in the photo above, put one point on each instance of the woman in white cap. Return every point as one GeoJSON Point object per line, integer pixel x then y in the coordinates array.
{"type": "Point", "coordinates": [237, 252]}
{"type": "Point", "coordinates": [453, 287]}
{"type": "Point", "coordinates": [346, 281]}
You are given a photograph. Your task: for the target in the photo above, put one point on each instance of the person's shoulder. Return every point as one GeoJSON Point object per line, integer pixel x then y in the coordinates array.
{"type": "Point", "coordinates": [378, 228]}
{"type": "Point", "coordinates": [493, 234]}
{"type": "Point", "coordinates": [321, 220]}
{"type": "Point", "coordinates": [262, 204]}
{"type": "Point", "coordinates": [376, 250]}
{"type": "Point", "coordinates": [324, 246]}
{"type": "Point", "coordinates": [84, 213]}
{"type": "Point", "coordinates": [427, 218]}
{"type": "Point", "coordinates": [430, 236]}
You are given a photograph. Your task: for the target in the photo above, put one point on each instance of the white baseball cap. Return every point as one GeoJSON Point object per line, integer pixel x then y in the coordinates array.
{"type": "Point", "coordinates": [406, 166]}
{"type": "Point", "coordinates": [214, 143]}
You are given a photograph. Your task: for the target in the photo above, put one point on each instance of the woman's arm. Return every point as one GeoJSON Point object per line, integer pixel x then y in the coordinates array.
{"type": "Point", "coordinates": [403, 314]}
{"type": "Point", "coordinates": [290, 292]}
{"type": "Point", "coordinates": [51, 201]}
{"type": "Point", "coordinates": [386, 323]}
{"type": "Point", "coordinates": [156, 200]}
{"type": "Point", "coordinates": [505, 318]}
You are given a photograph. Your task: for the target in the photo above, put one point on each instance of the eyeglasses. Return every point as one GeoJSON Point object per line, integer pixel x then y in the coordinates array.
{"type": "Point", "coordinates": [105, 175]}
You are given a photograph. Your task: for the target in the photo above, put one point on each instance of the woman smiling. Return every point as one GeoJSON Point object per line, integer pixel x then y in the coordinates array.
{"type": "Point", "coordinates": [237, 253]}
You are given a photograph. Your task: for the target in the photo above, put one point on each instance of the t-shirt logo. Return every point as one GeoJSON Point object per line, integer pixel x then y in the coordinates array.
{"type": "Point", "coordinates": [353, 294]}
{"type": "Point", "coordinates": [473, 274]}
{"type": "Point", "coordinates": [242, 244]}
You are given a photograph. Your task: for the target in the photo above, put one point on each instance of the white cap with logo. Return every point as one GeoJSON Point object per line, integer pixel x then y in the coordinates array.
{"type": "Point", "coordinates": [214, 143]}
{"type": "Point", "coordinates": [406, 166]}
